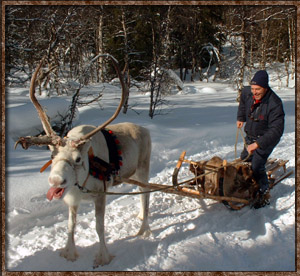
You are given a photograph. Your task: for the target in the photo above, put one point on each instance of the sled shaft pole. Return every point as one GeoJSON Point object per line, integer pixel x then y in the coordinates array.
{"type": "Point", "coordinates": [182, 191]}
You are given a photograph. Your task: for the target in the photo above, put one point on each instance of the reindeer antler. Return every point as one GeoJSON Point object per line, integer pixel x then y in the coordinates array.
{"type": "Point", "coordinates": [51, 137]}
{"type": "Point", "coordinates": [123, 97]}
{"type": "Point", "coordinates": [43, 116]}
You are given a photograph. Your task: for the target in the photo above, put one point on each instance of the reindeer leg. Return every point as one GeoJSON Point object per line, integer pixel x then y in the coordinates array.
{"type": "Point", "coordinates": [69, 252]}
{"type": "Point", "coordinates": [144, 209]}
{"type": "Point", "coordinates": [103, 257]}
{"type": "Point", "coordinates": [143, 215]}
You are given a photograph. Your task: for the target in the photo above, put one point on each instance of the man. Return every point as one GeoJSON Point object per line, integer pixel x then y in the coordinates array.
{"type": "Point", "coordinates": [262, 112]}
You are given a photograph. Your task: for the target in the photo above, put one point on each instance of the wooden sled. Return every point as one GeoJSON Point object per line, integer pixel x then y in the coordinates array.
{"type": "Point", "coordinates": [228, 182]}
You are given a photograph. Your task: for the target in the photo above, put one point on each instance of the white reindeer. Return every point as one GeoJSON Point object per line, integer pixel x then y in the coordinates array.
{"type": "Point", "coordinates": [70, 179]}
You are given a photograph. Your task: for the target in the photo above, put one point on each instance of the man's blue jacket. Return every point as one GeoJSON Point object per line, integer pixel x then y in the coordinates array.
{"type": "Point", "coordinates": [265, 124]}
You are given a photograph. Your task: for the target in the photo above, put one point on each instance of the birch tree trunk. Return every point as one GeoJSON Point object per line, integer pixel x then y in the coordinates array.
{"type": "Point", "coordinates": [264, 37]}
{"type": "Point", "coordinates": [291, 43]}
{"type": "Point", "coordinates": [100, 74]}
{"type": "Point", "coordinates": [243, 62]}
{"type": "Point", "coordinates": [126, 72]}
{"type": "Point", "coordinates": [251, 62]}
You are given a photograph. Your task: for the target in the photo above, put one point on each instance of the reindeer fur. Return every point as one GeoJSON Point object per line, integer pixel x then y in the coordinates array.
{"type": "Point", "coordinates": [71, 162]}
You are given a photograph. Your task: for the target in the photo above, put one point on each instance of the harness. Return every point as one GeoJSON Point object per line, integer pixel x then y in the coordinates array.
{"type": "Point", "coordinates": [99, 168]}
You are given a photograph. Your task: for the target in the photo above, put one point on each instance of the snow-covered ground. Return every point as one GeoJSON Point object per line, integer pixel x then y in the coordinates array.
{"type": "Point", "coordinates": [187, 234]}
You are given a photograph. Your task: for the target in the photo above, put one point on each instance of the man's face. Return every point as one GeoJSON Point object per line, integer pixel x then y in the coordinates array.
{"type": "Point", "coordinates": [258, 92]}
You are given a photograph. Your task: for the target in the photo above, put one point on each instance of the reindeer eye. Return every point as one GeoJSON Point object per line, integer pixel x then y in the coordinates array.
{"type": "Point", "coordinates": [78, 159]}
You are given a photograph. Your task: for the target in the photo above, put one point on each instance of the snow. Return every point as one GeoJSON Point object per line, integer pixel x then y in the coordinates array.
{"type": "Point", "coordinates": [175, 78]}
{"type": "Point", "coordinates": [187, 234]}
{"type": "Point", "coordinates": [55, 108]}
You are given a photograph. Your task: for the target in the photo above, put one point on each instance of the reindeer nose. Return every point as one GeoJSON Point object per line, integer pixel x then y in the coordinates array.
{"type": "Point", "coordinates": [56, 180]}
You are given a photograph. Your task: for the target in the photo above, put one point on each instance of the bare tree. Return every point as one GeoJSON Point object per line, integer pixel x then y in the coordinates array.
{"type": "Point", "coordinates": [100, 45]}
{"type": "Point", "coordinates": [160, 26]}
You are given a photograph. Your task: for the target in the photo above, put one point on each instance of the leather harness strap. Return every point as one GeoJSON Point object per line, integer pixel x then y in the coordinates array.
{"type": "Point", "coordinates": [99, 168]}
{"type": "Point", "coordinates": [112, 144]}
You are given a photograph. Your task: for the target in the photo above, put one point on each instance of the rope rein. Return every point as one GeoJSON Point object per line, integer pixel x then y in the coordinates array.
{"type": "Point", "coordinates": [236, 141]}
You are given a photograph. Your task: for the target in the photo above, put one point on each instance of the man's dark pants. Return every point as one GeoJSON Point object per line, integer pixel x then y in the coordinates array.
{"type": "Point", "coordinates": [258, 161]}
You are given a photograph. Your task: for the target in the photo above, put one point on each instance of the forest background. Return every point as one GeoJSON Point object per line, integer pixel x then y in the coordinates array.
{"type": "Point", "coordinates": [148, 42]}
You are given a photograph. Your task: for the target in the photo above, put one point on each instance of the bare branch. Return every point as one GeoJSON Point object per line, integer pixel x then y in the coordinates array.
{"type": "Point", "coordinates": [123, 97]}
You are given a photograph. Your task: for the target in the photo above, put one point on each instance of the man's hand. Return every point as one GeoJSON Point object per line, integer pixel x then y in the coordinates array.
{"type": "Point", "coordinates": [239, 124]}
{"type": "Point", "coordinates": [252, 147]}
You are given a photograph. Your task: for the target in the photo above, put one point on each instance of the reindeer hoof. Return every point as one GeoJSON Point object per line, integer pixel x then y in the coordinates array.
{"type": "Point", "coordinates": [145, 232]}
{"type": "Point", "coordinates": [102, 260]}
{"type": "Point", "coordinates": [70, 255]}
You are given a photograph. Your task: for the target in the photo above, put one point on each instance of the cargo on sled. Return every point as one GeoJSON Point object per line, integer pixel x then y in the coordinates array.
{"type": "Point", "coordinates": [231, 183]}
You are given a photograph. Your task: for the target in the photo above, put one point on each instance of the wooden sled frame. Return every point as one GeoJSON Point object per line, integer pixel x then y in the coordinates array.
{"type": "Point", "coordinates": [233, 203]}
{"type": "Point", "coordinates": [184, 188]}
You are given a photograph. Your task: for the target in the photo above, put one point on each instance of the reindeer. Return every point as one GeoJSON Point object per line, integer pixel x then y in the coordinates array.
{"type": "Point", "coordinates": [70, 179]}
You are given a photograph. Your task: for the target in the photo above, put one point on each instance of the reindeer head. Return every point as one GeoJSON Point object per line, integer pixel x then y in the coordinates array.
{"type": "Point", "coordinates": [70, 165]}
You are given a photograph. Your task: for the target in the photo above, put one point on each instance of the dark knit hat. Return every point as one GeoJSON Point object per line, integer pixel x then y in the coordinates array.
{"type": "Point", "coordinates": [261, 78]}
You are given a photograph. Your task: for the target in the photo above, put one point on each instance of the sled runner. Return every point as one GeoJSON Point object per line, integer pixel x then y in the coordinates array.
{"type": "Point", "coordinates": [231, 183]}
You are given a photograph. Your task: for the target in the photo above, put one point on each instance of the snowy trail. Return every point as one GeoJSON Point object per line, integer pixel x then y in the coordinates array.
{"type": "Point", "coordinates": [187, 234]}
